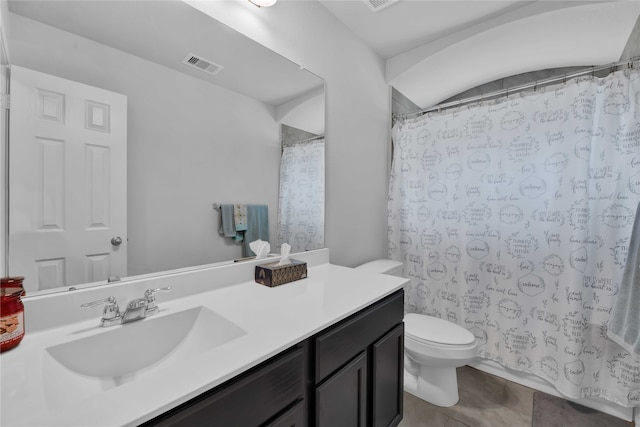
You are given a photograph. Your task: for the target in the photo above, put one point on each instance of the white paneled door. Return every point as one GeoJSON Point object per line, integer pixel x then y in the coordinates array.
{"type": "Point", "coordinates": [67, 181]}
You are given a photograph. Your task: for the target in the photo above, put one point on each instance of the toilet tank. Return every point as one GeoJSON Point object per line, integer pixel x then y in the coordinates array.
{"type": "Point", "coordinates": [383, 266]}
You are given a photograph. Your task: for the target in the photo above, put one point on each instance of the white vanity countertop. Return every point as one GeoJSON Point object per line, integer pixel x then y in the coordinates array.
{"type": "Point", "coordinates": [274, 319]}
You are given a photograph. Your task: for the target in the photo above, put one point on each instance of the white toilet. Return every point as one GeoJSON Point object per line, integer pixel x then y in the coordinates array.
{"type": "Point", "coordinates": [434, 348]}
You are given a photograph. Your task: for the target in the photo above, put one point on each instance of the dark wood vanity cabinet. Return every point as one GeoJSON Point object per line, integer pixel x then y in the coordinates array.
{"type": "Point", "coordinates": [350, 374]}
{"type": "Point", "coordinates": [359, 368]}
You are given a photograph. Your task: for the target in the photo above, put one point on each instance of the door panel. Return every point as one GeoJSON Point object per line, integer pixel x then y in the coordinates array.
{"type": "Point", "coordinates": [67, 181]}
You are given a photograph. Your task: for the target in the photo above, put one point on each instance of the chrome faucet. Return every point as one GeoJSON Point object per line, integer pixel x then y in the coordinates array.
{"type": "Point", "coordinates": [137, 309]}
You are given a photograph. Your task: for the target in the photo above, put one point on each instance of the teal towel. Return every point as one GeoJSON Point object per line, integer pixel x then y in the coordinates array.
{"type": "Point", "coordinates": [227, 224]}
{"type": "Point", "coordinates": [624, 323]}
{"type": "Point", "coordinates": [257, 227]}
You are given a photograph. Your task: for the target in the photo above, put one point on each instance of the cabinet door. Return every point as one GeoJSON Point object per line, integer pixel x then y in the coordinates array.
{"type": "Point", "coordinates": [341, 401]}
{"type": "Point", "coordinates": [388, 378]}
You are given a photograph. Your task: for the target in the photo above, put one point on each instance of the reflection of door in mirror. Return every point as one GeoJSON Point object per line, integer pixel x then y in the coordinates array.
{"type": "Point", "coordinates": [301, 199]}
{"type": "Point", "coordinates": [67, 178]}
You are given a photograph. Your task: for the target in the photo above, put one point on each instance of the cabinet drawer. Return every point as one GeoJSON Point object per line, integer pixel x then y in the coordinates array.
{"type": "Point", "coordinates": [250, 401]}
{"type": "Point", "coordinates": [293, 417]}
{"type": "Point", "coordinates": [345, 340]}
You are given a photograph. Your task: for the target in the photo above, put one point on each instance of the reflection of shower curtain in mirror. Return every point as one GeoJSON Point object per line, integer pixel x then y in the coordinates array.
{"type": "Point", "coordinates": [301, 204]}
{"type": "Point", "coordinates": [513, 218]}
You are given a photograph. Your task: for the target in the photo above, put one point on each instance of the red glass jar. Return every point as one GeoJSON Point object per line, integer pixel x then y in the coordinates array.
{"type": "Point", "coordinates": [11, 312]}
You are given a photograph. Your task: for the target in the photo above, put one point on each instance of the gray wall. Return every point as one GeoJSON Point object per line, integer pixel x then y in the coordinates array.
{"type": "Point", "coordinates": [291, 135]}
{"type": "Point", "coordinates": [400, 104]}
{"type": "Point", "coordinates": [632, 49]}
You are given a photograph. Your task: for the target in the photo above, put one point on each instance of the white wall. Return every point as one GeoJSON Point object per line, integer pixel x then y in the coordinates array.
{"type": "Point", "coordinates": [190, 144]}
{"type": "Point", "coordinates": [357, 111]}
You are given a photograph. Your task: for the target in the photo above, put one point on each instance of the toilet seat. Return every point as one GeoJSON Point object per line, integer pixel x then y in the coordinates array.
{"type": "Point", "coordinates": [434, 331]}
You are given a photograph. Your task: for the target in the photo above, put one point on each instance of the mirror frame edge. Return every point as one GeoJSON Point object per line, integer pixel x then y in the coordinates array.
{"type": "Point", "coordinates": [4, 138]}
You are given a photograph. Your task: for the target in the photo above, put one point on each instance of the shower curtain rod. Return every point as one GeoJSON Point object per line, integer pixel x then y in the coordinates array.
{"type": "Point", "coordinates": [564, 77]}
{"type": "Point", "coordinates": [313, 138]}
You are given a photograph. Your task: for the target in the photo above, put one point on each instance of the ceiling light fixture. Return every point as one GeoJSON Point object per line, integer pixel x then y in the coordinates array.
{"type": "Point", "coordinates": [263, 3]}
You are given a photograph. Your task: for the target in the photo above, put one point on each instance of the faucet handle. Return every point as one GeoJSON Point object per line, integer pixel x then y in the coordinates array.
{"type": "Point", "coordinates": [149, 294]}
{"type": "Point", "coordinates": [111, 310]}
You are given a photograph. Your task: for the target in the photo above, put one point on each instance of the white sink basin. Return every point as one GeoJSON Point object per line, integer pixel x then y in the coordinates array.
{"type": "Point", "coordinates": [123, 353]}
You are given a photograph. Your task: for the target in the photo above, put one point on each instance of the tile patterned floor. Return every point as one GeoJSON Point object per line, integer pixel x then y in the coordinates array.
{"type": "Point", "coordinates": [485, 401]}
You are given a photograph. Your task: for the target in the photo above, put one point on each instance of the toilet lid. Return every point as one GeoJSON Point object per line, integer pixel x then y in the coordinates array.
{"type": "Point", "coordinates": [431, 329]}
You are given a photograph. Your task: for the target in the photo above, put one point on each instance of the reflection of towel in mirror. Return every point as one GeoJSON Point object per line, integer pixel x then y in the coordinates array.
{"type": "Point", "coordinates": [624, 323]}
{"type": "Point", "coordinates": [257, 227]}
{"type": "Point", "coordinates": [240, 217]}
{"type": "Point", "coordinates": [227, 226]}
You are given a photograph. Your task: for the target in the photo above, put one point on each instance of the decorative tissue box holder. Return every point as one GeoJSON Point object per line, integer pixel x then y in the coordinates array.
{"type": "Point", "coordinates": [273, 274]}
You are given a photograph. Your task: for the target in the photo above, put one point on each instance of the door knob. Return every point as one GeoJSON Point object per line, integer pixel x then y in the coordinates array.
{"type": "Point", "coordinates": [116, 241]}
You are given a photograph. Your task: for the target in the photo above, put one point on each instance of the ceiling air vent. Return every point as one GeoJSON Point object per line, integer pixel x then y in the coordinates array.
{"type": "Point", "coordinates": [202, 64]}
{"type": "Point", "coordinates": [378, 5]}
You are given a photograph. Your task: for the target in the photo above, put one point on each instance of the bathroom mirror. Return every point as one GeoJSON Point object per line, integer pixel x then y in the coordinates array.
{"type": "Point", "coordinates": [200, 107]}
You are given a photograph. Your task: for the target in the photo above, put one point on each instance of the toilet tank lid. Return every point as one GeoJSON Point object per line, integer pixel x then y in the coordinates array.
{"type": "Point", "coordinates": [433, 329]}
{"type": "Point", "coordinates": [382, 266]}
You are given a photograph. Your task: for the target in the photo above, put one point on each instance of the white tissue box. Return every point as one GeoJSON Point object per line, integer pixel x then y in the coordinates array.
{"type": "Point", "coordinates": [273, 274]}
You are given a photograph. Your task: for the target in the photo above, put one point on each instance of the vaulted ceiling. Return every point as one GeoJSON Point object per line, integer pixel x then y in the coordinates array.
{"type": "Point", "coordinates": [464, 43]}
{"type": "Point", "coordinates": [433, 49]}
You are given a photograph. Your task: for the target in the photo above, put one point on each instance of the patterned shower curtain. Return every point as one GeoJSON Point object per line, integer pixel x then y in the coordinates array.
{"type": "Point", "coordinates": [513, 219]}
{"type": "Point", "coordinates": [301, 204]}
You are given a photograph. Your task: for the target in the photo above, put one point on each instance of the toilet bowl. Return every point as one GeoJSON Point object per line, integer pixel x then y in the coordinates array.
{"type": "Point", "coordinates": [434, 348]}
